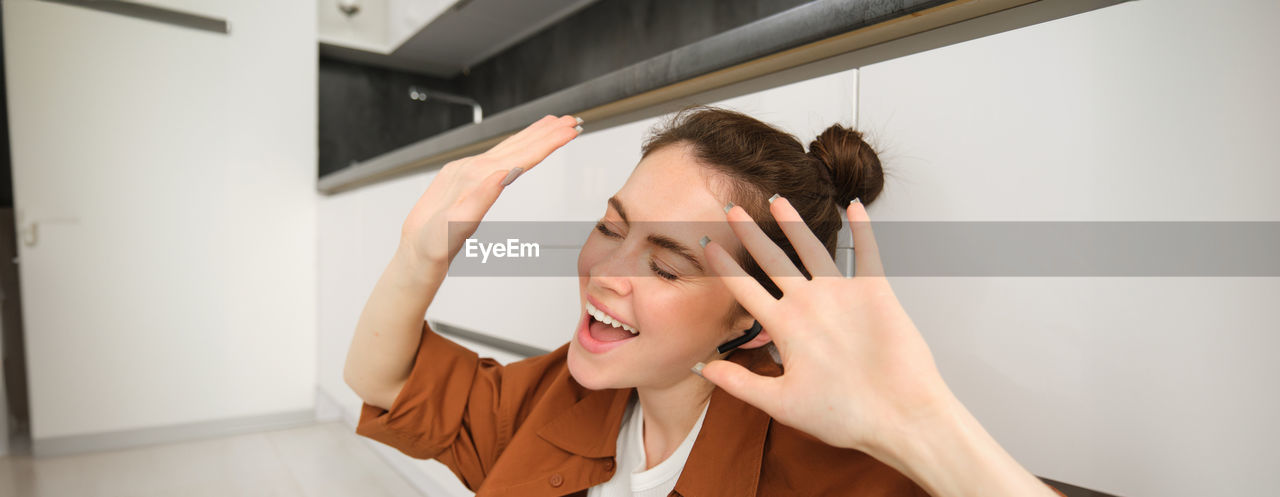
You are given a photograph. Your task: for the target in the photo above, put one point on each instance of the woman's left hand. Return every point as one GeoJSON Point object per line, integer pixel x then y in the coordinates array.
{"type": "Point", "coordinates": [856, 372]}
{"type": "Point", "coordinates": [855, 367]}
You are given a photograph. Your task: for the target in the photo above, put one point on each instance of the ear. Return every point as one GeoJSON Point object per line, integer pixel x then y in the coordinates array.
{"type": "Point", "coordinates": [743, 324]}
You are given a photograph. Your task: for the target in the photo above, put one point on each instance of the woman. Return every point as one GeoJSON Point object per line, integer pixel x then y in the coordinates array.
{"type": "Point", "coordinates": [669, 385]}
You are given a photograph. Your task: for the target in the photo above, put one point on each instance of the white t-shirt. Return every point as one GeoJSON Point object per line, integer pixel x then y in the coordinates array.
{"type": "Point", "coordinates": [631, 479]}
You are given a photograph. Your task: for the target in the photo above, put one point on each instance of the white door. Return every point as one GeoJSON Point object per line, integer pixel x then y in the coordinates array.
{"type": "Point", "coordinates": [164, 184]}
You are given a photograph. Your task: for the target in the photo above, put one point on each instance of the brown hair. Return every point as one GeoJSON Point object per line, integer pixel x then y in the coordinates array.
{"type": "Point", "coordinates": [755, 160]}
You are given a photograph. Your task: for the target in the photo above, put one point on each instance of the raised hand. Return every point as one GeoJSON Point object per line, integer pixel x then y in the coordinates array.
{"type": "Point", "coordinates": [464, 189]}
{"type": "Point", "coordinates": [856, 371]}
{"type": "Point", "coordinates": [854, 363]}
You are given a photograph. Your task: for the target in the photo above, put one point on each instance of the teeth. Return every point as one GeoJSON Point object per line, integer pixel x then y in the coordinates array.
{"type": "Point", "coordinates": [606, 319]}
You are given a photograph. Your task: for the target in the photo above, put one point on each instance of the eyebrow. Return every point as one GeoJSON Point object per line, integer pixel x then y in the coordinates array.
{"type": "Point", "coordinates": [663, 241]}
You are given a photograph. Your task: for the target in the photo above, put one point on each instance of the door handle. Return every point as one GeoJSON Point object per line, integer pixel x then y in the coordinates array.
{"type": "Point", "coordinates": [29, 231]}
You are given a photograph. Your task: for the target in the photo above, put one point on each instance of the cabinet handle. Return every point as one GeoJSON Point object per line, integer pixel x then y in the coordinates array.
{"type": "Point", "coordinates": [153, 13]}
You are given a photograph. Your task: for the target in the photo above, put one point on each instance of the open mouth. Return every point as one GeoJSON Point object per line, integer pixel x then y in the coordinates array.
{"type": "Point", "coordinates": [605, 328]}
{"type": "Point", "coordinates": [599, 332]}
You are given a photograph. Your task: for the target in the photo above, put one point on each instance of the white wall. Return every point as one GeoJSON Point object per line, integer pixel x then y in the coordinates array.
{"type": "Point", "coordinates": [183, 288]}
{"type": "Point", "coordinates": [1144, 111]}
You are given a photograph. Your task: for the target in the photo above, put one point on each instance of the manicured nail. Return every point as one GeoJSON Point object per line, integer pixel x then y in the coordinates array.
{"type": "Point", "coordinates": [578, 128]}
{"type": "Point", "coordinates": [697, 368]}
{"type": "Point", "coordinates": [774, 197]}
{"type": "Point", "coordinates": [704, 241]}
{"type": "Point", "coordinates": [727, 207]}
{"type": "Point", "coordinates": [579, 119]}
{"type": "Point", "coordinates": [511, 176]}
{"type": "Point", "coordinates": [855, 200]}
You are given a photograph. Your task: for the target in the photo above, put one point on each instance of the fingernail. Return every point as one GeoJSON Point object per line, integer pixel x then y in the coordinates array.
{"type": "Point", "coordinates": [579, 128]}
{"type": "Point", "coordinates": [704, 241]}
{"type": "Point", "coordinates": [855, 200]}
{"type": "Point", "coordinates": [697, 368]}
{"type": "Point", "coordinates": [774, 197]}
{"type": "Point", "coordinates": [727, 207]}
{"type": "Point", "coordinates": [511, 176]}
{"type": "Point", "coordinates": [579, 119]}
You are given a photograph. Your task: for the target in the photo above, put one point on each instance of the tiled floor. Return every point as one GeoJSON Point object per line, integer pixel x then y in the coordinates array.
{"type": "Point", "coordinates": [320, 460]}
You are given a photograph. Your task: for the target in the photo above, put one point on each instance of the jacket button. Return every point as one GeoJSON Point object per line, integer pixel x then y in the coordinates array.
{"type": "Point", "coordinates": [608, 465]}
{"type": "Point", "coordinates": [556, 480]}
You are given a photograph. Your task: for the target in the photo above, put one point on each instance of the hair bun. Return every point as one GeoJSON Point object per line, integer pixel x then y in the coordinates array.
{"type": "Point", "coordinates": [850, 162]}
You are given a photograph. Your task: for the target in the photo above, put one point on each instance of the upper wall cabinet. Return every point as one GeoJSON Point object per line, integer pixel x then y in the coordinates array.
{"type": "Point", "coordinates": [441, 38]}
{"type": "Point", "coordinates": [359, 25]}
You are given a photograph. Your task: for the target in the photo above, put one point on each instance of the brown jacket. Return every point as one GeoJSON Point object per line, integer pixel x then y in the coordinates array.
{"type": "Point", "coordinates": [528, 429]}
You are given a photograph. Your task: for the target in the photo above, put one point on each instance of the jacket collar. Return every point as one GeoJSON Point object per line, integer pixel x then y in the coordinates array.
{"type": "Point", "coordinates": [590, 427]}
{"type": "Point", "coordinates": [726, 456]}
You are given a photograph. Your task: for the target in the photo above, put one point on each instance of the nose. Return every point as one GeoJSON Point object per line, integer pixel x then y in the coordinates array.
{"type": "Point", "coordinates": [614, 271]}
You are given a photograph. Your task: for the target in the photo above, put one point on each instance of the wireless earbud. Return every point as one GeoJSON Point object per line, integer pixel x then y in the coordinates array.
{"type": "Point", "coordinates": [750, 333]}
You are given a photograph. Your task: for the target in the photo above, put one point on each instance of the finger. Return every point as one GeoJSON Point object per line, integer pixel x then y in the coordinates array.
{"type": "Point", "coordinates": [533, 151]}
{"type": "Point", "coordinates": [769, 255]}
{"type": "Point", "coordinates": [760, 391]}
{"type": "Point", "coordinates": [811, 251]}
{"type": "Point", "coordinates": [549, 127]}
{"type": "Point", "coordinates": [559, 123]}
{"type": "Point", "coordinates": [550, 140]}
{"type": "Point", "coordinates": [753, 297]}
{"type": "Point", "coordinates": [534, 128]}
{"type": "Point", "coordinates": [865, 252]}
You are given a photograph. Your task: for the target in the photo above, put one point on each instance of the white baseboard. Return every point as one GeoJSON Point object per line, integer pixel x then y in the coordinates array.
{"type": "Point", "coordinates": [327, 409]}
{"type": "Point", "coordinates": [75, 444]}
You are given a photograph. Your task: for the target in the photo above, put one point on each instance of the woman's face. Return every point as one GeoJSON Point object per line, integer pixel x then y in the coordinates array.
{"type": "Point", "coordinates": [643, 266]}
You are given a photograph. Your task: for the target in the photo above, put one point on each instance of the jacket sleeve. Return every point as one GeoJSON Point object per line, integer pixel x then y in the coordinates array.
{"type": "Point", "coordinates": [459, 408]}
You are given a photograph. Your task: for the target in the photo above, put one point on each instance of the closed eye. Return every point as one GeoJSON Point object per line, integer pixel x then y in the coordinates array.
{"type": "Point", "coordinates": [606, 231]}
{"type": "Point", "coordinates": [653, 266]}
{"type": "Point", "coordinates": [661, 274]}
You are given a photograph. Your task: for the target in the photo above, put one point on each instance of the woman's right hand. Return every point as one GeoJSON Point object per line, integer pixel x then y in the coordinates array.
{"type": "Point", "coordinates": [464, 189]}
